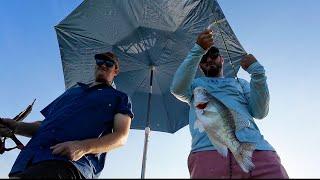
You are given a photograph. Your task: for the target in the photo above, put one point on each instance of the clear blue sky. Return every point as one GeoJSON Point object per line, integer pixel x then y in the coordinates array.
{"type": "Point", "coordinates": [283, 35]}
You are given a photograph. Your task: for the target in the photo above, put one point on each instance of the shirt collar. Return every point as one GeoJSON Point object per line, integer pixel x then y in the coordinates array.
{"type": "Point", "coordinates": [89, 85]}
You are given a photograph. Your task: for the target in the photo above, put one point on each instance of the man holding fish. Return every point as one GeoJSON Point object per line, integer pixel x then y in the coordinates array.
{"type": "Point", "coordinates": [226, 142]}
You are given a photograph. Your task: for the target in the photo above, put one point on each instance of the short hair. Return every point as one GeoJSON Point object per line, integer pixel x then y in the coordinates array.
{"type": "Point", "coordinates": [212, 52]}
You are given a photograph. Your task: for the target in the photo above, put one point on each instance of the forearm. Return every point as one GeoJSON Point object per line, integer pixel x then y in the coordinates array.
{"type": "Point", "coordinates": [74, 150]}
{"type": "Point", "coordinates": [259, 93]}
{"type": "Point", "coordinates": [27, 129]}
{"type": "Point", "coordinates": [185, 74]}
{"type": "Point", "coordinates": [103, 144]}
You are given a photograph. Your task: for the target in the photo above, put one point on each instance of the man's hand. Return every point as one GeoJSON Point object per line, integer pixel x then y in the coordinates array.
{"type": "Point", "coordinates": [247, 60]}
{"type": "Point", "coordinates": [205, 39]}
{"type": "Point", "coordinates": [10, 123]}
{"type": "Point", "coordinates": [5, 131]}
{"type": "Point", "coordinates": [6, 127]}
{"type": "Point", "coordinates": [74, 150]}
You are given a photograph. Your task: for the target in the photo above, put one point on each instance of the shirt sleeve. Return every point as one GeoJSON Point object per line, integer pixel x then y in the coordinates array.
{"type": "Point", "coordinates": [257, 92]}
{"type": "Point", "coordinates": [49, 108]}
{"type": "Point", "coordinates": [186, 72]}
{"type": "Point", "coordinates": [125, 106]}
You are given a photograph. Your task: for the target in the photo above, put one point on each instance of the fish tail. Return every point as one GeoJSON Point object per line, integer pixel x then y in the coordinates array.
{"type": "Point", "coordinates": [244, 156]}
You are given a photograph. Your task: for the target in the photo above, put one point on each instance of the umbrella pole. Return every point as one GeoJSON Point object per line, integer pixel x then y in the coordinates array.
{"type": "Point", "coordinates": [147, 130]}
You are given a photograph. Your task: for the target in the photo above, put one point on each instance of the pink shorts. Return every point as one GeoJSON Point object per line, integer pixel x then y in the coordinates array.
{"type": "Point", "coordinates": [210, 164]}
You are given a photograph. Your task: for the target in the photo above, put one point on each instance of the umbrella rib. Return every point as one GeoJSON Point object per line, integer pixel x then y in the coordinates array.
{"type": "Point", "coordinates": [137, 87]}
{"type": "Point", "coordinates": [186, 15]}
{"type": "Point", "coordinates": [163, 101]}
{"type": "Point", "coordinates": [168, 62]}
{"type": "Point", "coordinates": [232, 51]}
{"type": "Point", "coordinates": [133, 61]}
{"type": "Point", "coordinates": [130, 56]}
{"type": "Point", "coordinates": [230, 37]}
{"type": "Point", "coordinates": [167, 73]}
{"type": "Point", "coordinates": [133, 70]}
{"type": "Point", "coordinates": [71, 32]}
{"type": "Point", "coordinates": [147, 52]}
{"type": "Point", "coordinates": [192, 10]}
{"type": "Point", "coordinates": [136, 62]}
{"type": "Point", "coordinates": [195, 23]}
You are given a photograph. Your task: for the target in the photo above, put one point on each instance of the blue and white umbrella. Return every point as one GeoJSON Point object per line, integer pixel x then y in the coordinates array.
{"type": "Point", "coordinates": [151, 39]}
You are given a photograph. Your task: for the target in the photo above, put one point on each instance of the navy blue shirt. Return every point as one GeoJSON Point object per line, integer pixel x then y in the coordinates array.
{"type": "Point", "coordinates": [80, 113]}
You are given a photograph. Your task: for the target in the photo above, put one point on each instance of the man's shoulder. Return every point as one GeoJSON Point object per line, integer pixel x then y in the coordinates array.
{"type": "Point", "coordinates": [120, 93]}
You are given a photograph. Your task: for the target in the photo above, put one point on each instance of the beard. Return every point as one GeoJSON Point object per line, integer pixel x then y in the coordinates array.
{"type": "Point", "coordinates": [213, 70]}
{"type": "Point", "coordinates": [101, 79]}
{"type": "Point", "coordinates": [100, 76]}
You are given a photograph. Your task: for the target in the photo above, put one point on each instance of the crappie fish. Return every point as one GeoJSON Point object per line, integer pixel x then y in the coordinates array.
{"type": "Point", "coordinates": [219, 123]}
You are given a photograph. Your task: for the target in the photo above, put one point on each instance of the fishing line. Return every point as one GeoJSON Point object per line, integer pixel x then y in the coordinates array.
{"type": "Point", "coordinates": [217, 22]}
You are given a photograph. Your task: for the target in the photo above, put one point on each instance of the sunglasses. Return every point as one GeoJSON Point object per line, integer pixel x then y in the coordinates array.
{"type": "Point", "coordinates": [107, 62]}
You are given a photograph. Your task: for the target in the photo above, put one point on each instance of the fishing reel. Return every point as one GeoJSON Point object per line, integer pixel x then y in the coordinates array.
{"type": "Point", "coordinates": [20, 117]}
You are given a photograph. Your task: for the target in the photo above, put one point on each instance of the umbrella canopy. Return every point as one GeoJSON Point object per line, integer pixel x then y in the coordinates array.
{"type": "Point", "coordinates": [147, 36]}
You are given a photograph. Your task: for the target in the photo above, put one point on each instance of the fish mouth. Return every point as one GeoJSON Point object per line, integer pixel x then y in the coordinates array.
{"type": "Point", "coordinates": [201, 99]}
{"type": "Point", "coordinates": [201, 105]}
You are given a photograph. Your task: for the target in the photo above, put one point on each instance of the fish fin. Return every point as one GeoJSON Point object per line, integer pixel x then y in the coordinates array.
{"type": "Point", "coordinates": [198, 125]}
{"type": "Point", "coordinates": [222, 149]}
{"type": "Point", "coordinates": [244, 156]}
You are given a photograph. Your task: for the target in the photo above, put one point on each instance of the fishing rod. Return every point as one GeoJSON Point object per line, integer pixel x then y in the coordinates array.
{"type": "Point", "coordinates": [220, 31]}
{"type": "Point", "coordinates": [11, 131]}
